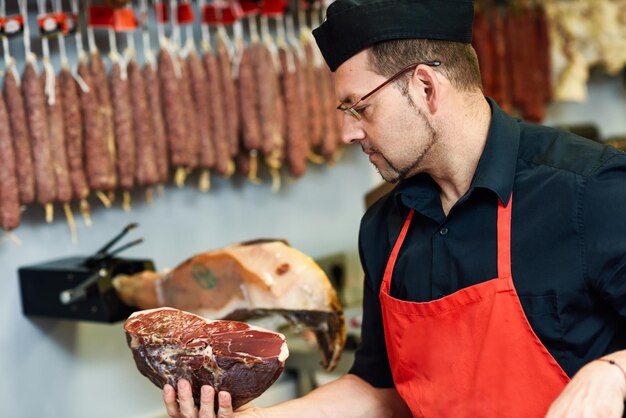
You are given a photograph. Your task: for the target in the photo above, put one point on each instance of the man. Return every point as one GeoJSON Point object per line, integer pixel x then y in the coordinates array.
{"type": "Point", "coordinates": [496, 269]}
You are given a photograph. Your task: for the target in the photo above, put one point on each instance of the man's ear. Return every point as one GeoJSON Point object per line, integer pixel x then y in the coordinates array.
{"type": "Point", "coordinates": [425, 80]}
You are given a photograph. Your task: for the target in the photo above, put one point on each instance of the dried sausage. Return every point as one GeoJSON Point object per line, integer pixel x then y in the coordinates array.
{"type": "Point", "coordinates": [123, 128]}
{"type": "Point", "coordinates": [14, 103]}
{"type": "Point", "coordinates": [100, 85]}
{"type": "Point", "coordinates": [9, 194]}
{"type": "Point", "coordinates": [172, 110]}
{"type": "Point", "coordinates": [249, 99]}
{"type": "Point", "coordinates": [73, 123]}
{"type": "Point", "coordinates": [146, 172]}
{"type": "Point", "coordinates": [56, 137]}
{"type": "Point", "coordinates": [153, 89]}
{"type": "Point", "coordinates": [229, 92]}
{"type": "Point", "coordinates": [35, 102]}
{"type": "Point", "coordinates": [192, 142]}
{"type": "Point", "coordinates": [271, 110]}
{"type": "Point", "coordinates": [99, 165]}
{"type": "Point", "coordinates": [218, 116]}
{"type": "Point", "coordinates": [296, 148]}
{"type": "Point", "coordinates": [199, 82]}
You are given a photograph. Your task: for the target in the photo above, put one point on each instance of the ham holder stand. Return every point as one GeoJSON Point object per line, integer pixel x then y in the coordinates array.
{"type": "Point", "coordinates": [80, 288]}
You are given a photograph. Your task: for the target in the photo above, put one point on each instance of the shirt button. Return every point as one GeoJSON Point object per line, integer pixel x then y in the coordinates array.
{"type": "Point", "coordinates": [443, 231]}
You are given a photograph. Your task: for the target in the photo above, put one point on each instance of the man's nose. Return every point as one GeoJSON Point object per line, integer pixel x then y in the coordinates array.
{"type": "Point", "coordinates": [351, 130]}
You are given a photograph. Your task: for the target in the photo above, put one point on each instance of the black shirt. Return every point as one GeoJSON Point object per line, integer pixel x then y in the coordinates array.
{"type": "Point", "coordinates": [568, 242]}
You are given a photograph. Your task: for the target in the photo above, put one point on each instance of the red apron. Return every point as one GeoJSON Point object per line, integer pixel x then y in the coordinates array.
{"type": "Point", "coordinates": [472, 353]}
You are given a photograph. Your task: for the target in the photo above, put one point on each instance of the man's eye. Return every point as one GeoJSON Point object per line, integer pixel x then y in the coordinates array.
{"type": "Point", "coordinates": [360, 110]}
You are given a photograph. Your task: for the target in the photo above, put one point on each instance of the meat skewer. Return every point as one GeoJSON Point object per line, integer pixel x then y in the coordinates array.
{"type": "Point", "coordinates": [14, 103]}
{"type": "Point", "coordinates": [35, 106]}
{"type": "Point", "coordinates": [123, 124]}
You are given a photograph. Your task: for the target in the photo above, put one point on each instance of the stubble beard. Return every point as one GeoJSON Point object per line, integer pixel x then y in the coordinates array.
{"type": "Point", "coordinates": [392, 174]}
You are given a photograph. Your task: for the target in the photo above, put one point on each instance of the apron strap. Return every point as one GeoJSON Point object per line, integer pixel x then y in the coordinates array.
{"type": "Point", "coordinates": [504, 239]}
{"type": "Point", "coordinates": [391, 262]}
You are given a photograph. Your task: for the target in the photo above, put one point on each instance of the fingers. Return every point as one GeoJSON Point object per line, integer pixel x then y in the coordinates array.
{"type": "Point", "coordinates": [185, 400]}
{"type": "Point", "coordinates": [225, 404]}
{"type": "Point", "coordinates": [169, 399]}
{"type": "Point", "coordinates": [207, 396]}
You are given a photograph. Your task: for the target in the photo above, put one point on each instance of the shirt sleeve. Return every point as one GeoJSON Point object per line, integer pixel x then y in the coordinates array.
{"type": "Point", "coordinates": [370, 360]}
{"type": "Point", "coordinates": [604, 231]}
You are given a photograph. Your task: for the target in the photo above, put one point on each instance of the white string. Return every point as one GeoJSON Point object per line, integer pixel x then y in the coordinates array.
{"type": "Point", "coordinates": [148, 55]}
{"type": "Point", "coordinates": [174, 22]}
{"type": "Point", "coordinates": [280, 32]}
{"type": "Point", "coordinates": [91, 37]}
{"type": "Point", "coordinates": [8, 59]}
{"type": "Point", "coordinates": [79, 47]}
{"type": "Point", "coordinates": [204, 28]}
{"type": "Point", "coordinates": [266, 36]}
{"type": "Point", "coordinates": [62, 49]}
{"type": "Point", "coordinates": [160, 30]}
{"type": "Point", "coordinates": [47, 65]}
{"type": "Point", "coordinates": [24, 12]}
{"type": "Point", "coordinates": [291, 36]}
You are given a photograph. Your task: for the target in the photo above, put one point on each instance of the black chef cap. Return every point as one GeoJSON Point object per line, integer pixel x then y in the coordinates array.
{"type": "Point", "coordinates": [353, 25]}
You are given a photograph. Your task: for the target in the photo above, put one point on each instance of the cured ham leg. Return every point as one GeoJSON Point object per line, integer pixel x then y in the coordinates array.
{"type": "Point", "coordinates": [247, 281]}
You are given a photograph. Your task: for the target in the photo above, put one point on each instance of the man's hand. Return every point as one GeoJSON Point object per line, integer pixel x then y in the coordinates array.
{"type": "Point", "coordinates": [184, 407]}
{"type": "Point", "coordinates": [596, 391]}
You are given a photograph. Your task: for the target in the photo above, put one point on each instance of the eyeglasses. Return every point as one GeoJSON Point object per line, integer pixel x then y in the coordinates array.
{"type": "Point", "coordinates": [352, 111]}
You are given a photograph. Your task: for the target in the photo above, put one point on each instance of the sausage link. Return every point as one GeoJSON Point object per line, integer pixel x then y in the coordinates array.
{"type": "Point", "coordinates": [501, 73]}
{"type": "Point", "coordinates": [101, 86]}
{"type": "Point", "coordinates": [72, 120]}
{"type": "Point", "coordinates": [271, 109]}
{"type": "Point", "coordinates": [153, 89]}
{"type": "Point", "coordinates": [332, 125]}
{"type": "Point", "coordinates": [123, 128]}
{"type": "Point", "coordinates": [9, 193]}
{"type": "Point", "coordinates": [313, 99]}
{"type": "Point", "coordinates": [146, 172]}
{"type": "Point", "coordinates": [56, 137]}
{"type": "Point", "coordinates": [217, 115]}
{"type": "Point", "coordinates": [249, 99]}
{"type": "Point", "coordinates": [99, 166]}
{"type": "Point", "coordinates": [172, 109]}
{"type": "Point", "coordinates": [200, 100]}
{"type": "Point", "coordinates": [14, 103]}
{"type": "Point", "coordinates": [296, 151]}
{"type": "Point", "coordinates": [192, 146]}
{"type": "Point", "coordinates": [38, 128]}
{"type": "Point", "coordinates": [229, 92]}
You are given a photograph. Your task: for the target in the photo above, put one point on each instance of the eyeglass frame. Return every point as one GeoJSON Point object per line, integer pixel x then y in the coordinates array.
{"type": "Point", "coordinates": [351, 110]}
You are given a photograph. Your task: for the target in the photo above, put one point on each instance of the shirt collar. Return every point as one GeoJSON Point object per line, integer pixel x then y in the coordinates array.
{"type": "Point", "coordinates": [495, 170]}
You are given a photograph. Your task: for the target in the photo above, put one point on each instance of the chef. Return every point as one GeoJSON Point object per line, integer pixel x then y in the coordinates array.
{"type": "Point", "coordinates": [495, 271]}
